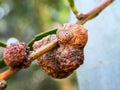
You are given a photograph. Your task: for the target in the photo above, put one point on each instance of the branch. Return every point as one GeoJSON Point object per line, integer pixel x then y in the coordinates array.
{"type": "Point", "coordinates": [83, 18]}
{"type": "Point", "coordinates": [6, 74]}
{"type": "Point", "coordinates": [42, 50]}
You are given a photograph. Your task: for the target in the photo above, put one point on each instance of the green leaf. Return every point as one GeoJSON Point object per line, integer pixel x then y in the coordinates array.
{"type": "Point", "coordinates": [2, 44]}
{"type": "Point", "coordinates": [2, 64]}
{"type": "Point", "coordinates": [73, 7]}
{"type": "Point", "coordinates": [40, 36]}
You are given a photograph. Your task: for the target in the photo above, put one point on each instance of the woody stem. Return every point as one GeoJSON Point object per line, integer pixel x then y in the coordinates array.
{"type": "Point", "coordinates": [82, 18]}
{"type": "Point", "coordinates": [6, 74]}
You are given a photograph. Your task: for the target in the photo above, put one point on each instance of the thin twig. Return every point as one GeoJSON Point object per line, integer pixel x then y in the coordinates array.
{"type": "Point", "coordinates": [82, 19]}
{"type": "Point", "coordinates": [94, 12]}
{"type": "Point", "coordinates": [6, 74]}
{"type": "Point", "coordinates": [43, 49]}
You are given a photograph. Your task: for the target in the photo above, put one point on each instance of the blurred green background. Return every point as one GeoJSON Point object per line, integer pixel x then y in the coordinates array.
{"type": "Point", "coordinates": [23, 19]}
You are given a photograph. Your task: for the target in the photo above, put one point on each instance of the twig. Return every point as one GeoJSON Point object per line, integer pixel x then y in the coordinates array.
{"type": "Point", "coordinates": [82, 19]}
{"type": "Point", "coordinates": [43, 49]}
{"type": "Point", "coordinates": [93, 13]}
{"type": "Point", "coordinates": [6, 74]}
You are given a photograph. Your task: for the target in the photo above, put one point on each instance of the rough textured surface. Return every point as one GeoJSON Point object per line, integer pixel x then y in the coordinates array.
{"type": "Point", "coordinates": [15, 55]}
{"type": "Point", "coordinates": [62, 60]}
{"type": "Point", "coordinates": [3, 84]}
{"type": "Point", "coordinates": [73, 34]}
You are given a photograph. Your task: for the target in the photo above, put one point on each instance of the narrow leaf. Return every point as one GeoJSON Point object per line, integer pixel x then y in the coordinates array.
{"type": "Point", "coordinates": [40, 36]}
{"type": "Point", "coordinates": [2, 44]}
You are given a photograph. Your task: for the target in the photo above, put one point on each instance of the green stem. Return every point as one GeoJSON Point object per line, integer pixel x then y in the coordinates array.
{"type": "Point", "coordinates": [40, 36]}
{"type": "Point", "coordinates": [73, 7]}
{"type": "Point", "coordinates": [2, 44]}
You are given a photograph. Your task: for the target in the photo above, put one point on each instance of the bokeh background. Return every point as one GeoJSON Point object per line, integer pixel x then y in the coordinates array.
{"type": "Point", "coordinates": [23, 19]}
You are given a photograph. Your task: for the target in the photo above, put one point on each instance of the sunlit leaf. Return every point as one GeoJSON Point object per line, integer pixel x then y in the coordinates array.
{"type": "Point", "coordinates": [40, 36]}
{"type": "Point", "coordinates": [2, 44]}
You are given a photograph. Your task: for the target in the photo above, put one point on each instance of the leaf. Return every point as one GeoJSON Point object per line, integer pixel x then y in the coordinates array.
{"type": "Point", "coordinates": [2, 64]}
{"type": "Point", "coordinates": [2, 44]}
{"type": "Point", "coordinates": [40, 36]}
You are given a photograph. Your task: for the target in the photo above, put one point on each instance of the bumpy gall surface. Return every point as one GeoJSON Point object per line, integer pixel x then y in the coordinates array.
{"type": "Point", "coordinates": [72, 34]}
{"type": "Point", "coordinates": [3, 84]}
{"type": "Point", "coordinates": [15, 55]}
{"type": "Point", "coordinates": [63, 59]}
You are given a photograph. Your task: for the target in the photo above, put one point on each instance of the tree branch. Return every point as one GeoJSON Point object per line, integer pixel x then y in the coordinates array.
{"type": "Point", "coordinates": [83, 18]}
{"type": "Point", "coordinates": [43, 49]}
{"type": "Point", "coordinates": [6, 74]}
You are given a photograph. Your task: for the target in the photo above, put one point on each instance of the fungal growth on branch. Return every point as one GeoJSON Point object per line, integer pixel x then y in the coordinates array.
{"type": "Point", "coordinates": [58, 54]}
{"type": "Point", "coordinates": [16, 55]}
{"type": "Point", "coordinates": [68, 55]}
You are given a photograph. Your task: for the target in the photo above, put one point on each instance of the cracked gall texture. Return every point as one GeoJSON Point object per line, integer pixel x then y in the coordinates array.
{"type": "Point", "coordinates": [68, 55]}
{"type": "Point", "coordinates": [15, 55]}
